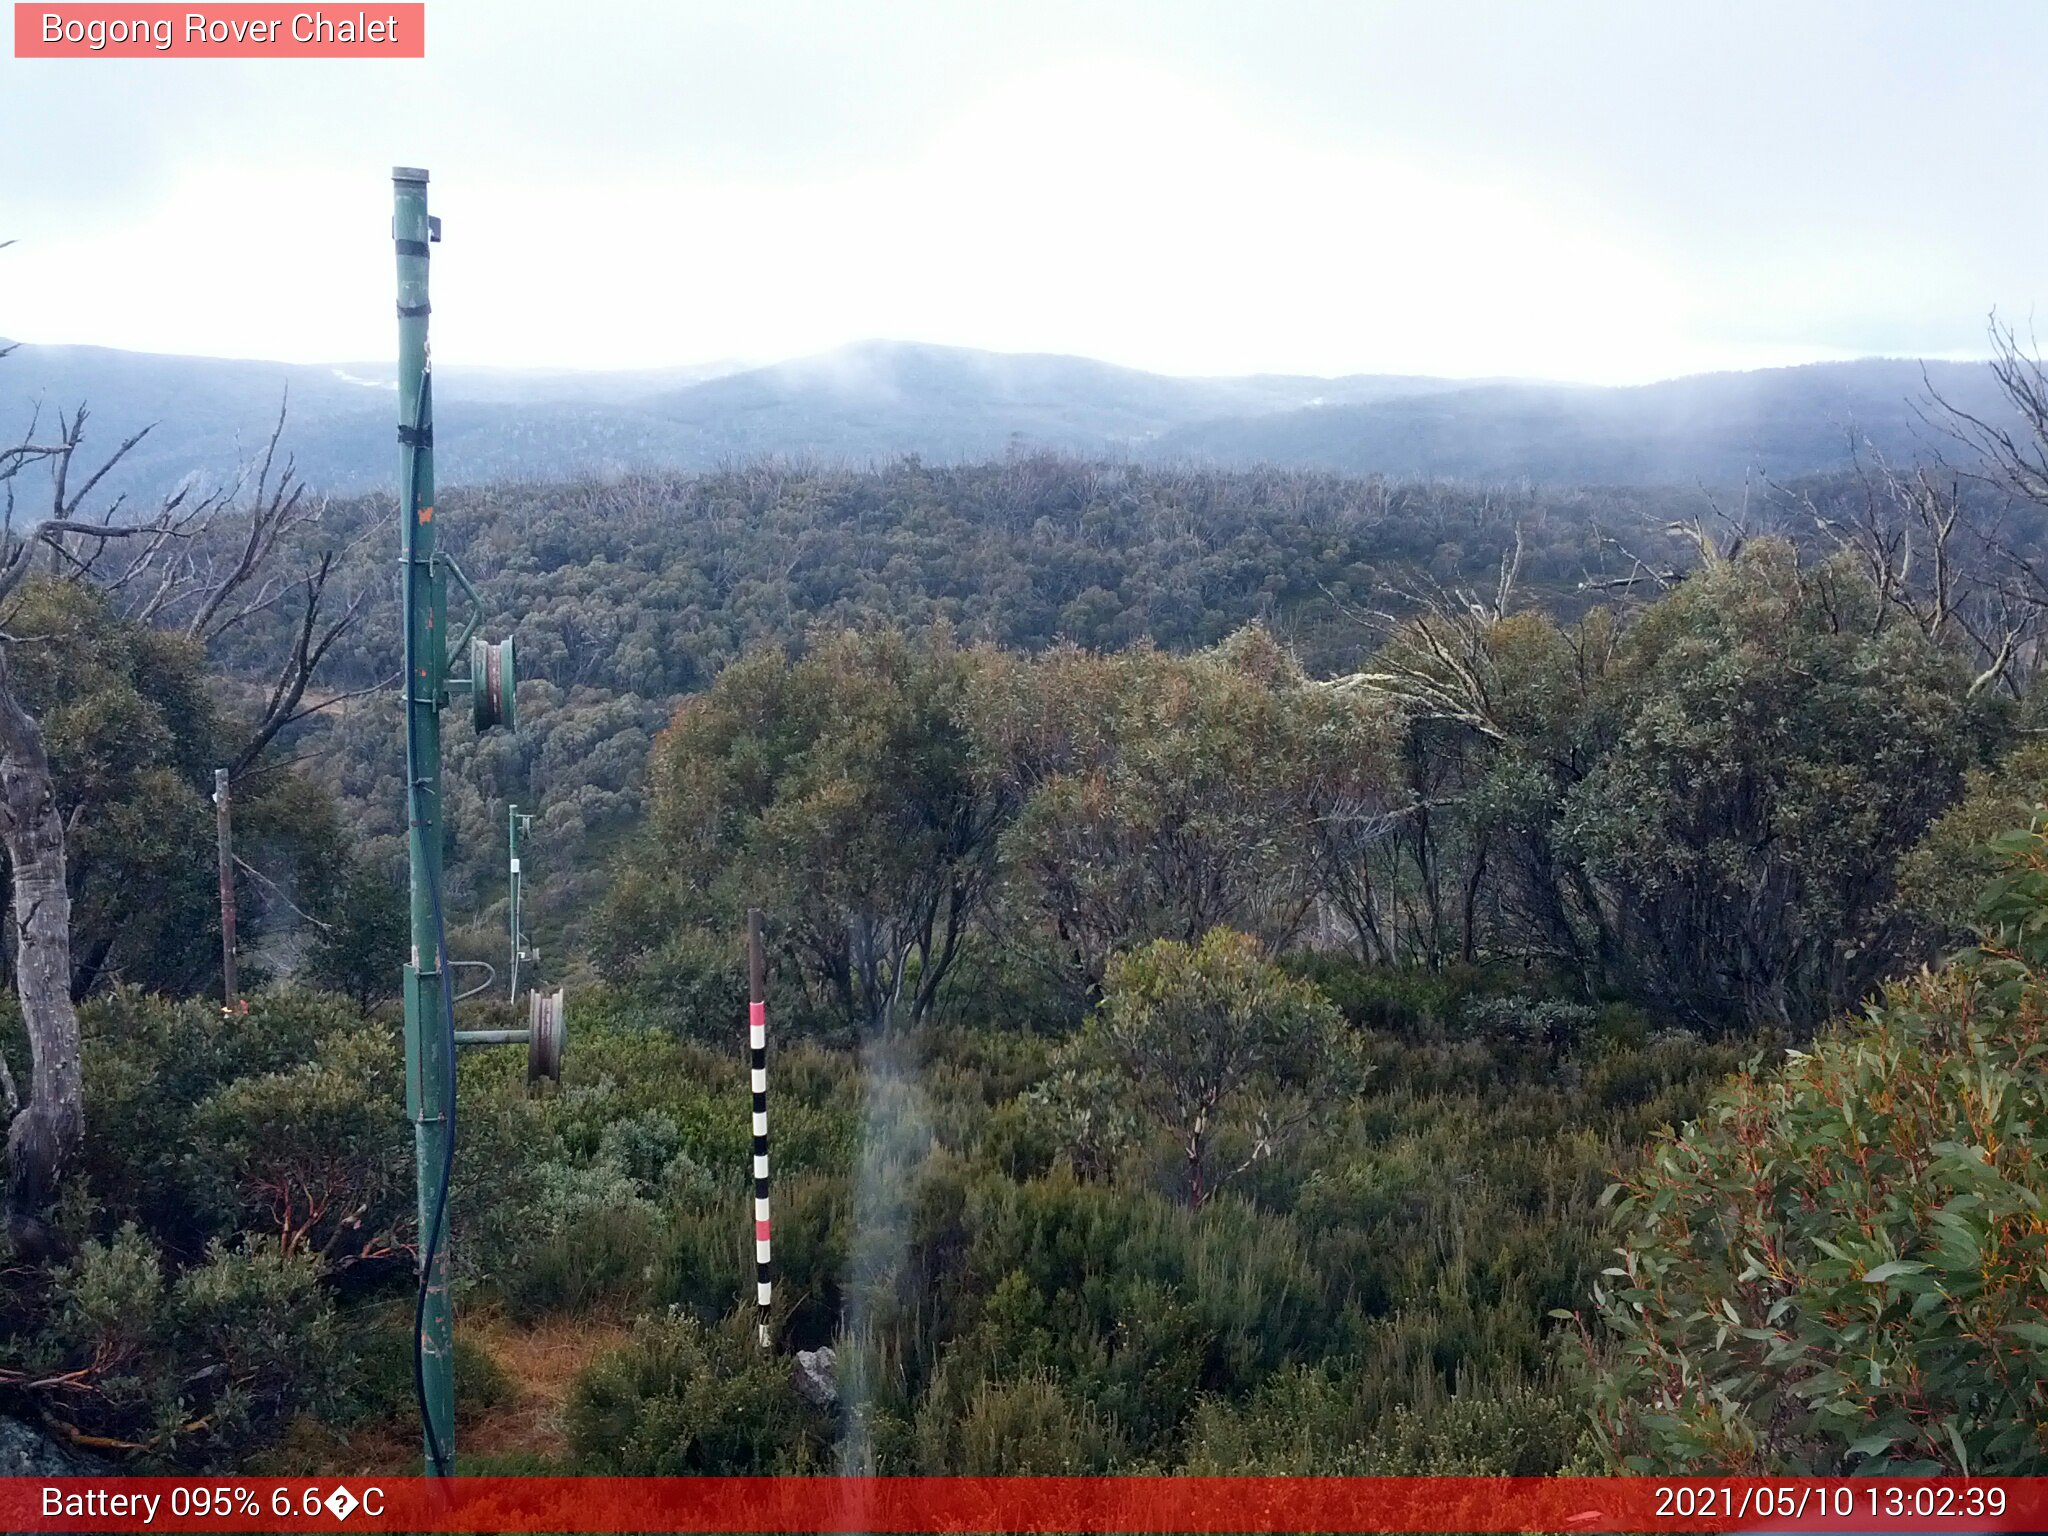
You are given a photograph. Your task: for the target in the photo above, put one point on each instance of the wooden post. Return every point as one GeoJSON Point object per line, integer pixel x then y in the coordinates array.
{"type": "Point", "coordinates": [224, 835]}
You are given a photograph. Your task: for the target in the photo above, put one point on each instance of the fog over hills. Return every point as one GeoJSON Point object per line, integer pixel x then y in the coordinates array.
{"type": "Point", "coordinates": [1712, 428]}
{"type": "Point", "coordinates": [877, 401]}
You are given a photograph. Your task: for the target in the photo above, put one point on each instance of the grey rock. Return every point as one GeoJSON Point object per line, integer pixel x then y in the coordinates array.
{"type": "Point", "coordinates": [816, 1376]}
{"type": "Point", "coordinates": [26, 1451]}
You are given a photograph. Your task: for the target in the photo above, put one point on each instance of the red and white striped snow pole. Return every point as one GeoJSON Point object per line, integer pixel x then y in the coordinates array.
{"type": "Point", "coordinates": [757, 1064]}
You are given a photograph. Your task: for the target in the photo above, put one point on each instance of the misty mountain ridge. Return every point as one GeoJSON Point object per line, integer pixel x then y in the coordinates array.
{"type": "Point", "coordinates": [882, 400]}
{"type": "Point", "coordinates": [1714, 428]}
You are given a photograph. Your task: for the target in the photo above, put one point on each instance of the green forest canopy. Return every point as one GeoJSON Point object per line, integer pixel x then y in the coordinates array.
{"type": "Point", "coordinates": [1548, 818]}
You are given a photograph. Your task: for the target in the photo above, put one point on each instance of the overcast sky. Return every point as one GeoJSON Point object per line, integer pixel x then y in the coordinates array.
{"type": "Point", "coordinates": [1608, 192]}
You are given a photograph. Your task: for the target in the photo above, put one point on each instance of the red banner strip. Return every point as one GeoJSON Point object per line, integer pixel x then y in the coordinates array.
{"type": "Point", "coordinates": [1024, 1504]}
{"type": "Point", "coordinates": [382, 29]}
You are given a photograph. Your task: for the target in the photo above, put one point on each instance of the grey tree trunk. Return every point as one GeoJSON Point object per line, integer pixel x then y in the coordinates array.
{"type": "Point", "coordinates": [46, 1128]}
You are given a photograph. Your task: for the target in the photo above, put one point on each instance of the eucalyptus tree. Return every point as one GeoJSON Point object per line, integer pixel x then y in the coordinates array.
{"type": "Point", "coordinates": [833, 789]}
{"type": "Point", "coordinates": [1222, 1050]}
{"type": "Point", "coordinates": [1701, 799]}
{"type": "Point", "coordinates": [1161, 796]}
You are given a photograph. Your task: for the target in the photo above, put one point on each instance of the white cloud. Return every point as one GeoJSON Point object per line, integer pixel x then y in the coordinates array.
{"type": "Point", "coordinates": [1110, 204]}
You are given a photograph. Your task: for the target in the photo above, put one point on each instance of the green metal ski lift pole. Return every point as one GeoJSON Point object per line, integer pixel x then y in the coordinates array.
{"type": "Point", "coordinates": [516, 823]}
{"type": "Point", "coordinates": [429, 1057]}
{"type": "Point", "coordinates": [430, 1035]}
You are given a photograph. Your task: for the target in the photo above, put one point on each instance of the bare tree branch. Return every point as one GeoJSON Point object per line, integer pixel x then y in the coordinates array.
{"type": "Point", "coordinates": [309, 648]}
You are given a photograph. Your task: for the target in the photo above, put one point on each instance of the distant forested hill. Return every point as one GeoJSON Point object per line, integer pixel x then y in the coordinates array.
{"type": "Point", "coordinates": [869, 404]}
{"type": "Point", "coordinates": [623, 596]}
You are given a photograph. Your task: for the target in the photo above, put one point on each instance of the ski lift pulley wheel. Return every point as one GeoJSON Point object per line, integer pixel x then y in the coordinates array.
{"type": "Point", "coordinates": [493, 684]}
{"type": "Point", "coordinates": [547, 1030]}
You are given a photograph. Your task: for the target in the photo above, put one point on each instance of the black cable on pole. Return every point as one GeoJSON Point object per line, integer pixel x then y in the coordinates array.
{"type": "Point", "coordinates": [416, 787]}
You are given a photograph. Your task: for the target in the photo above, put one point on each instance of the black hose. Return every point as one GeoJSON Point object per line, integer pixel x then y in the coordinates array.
{"type": "Point", "coordinates": [415, 793]}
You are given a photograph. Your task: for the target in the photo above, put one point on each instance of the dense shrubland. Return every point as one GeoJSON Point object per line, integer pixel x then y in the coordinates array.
{"type": "Point", "coordinates": [1405, 1258]}
{"type": "Point", "coordinates": [1221, 950]}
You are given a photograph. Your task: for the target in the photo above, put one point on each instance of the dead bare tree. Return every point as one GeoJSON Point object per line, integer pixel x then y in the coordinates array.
{"type": "Point", "coordinates": [1936, 541]}
{"type": "Point", "coordinates": [2012, 455]}
{"type": "Point", "coordinates": [1435, 664]}
{"type": "Point", "coordinates": [2006, 456]}
{"type": "Point", "coordinates": [159, 563]}
{"type": "Point", "coordinates": [1437, 661]}
{"type": "Point", "coordinates": [1941, 564]}
{"type": "Point", "coordinates": [1662, 576]}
